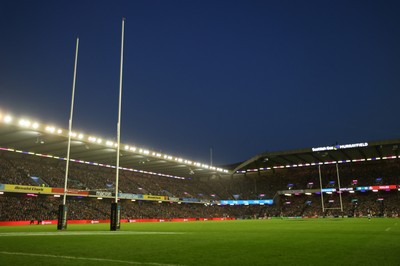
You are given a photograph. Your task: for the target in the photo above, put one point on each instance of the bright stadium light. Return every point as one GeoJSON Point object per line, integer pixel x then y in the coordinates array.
{"type": "Point", "coordinates": [35, 125]}
{"type": "Point", "coordinates": [24, 123]}
{"type": "Point", "coordinates": [109, 143]}
{"type": "Point", "coordinates": [8, 119]}
{"type": "Point", "coordinates": [50, 129]}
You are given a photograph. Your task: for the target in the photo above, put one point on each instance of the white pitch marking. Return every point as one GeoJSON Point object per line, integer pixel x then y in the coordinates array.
{"type": "Point", "coordinates": [83, 258]}
{"type": "Point", "coordinates": [387, 229]}
{"type": "Point", "coordinates": [81, 233]}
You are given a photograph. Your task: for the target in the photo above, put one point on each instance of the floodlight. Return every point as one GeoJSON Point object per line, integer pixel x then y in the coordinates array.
{"type": "Point", "coordinates": [8, 119]}
{"type": "Point", "coordinates": [24, 123]}
{"type": "Point", "coordinates": [109, 143]}
{"type": "Point", "coordinates": [35, 125]}
{"type": "Point", "coordinates": [50, 129]}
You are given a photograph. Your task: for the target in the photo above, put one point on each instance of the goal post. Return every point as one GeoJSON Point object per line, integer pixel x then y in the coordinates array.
{"type": "Point", "coordinates": [338, 190]}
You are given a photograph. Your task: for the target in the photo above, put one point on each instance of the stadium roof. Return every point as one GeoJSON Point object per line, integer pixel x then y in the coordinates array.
{"type": "Point", "coordinates": [26, 136]}
{"type": "Point", "coordinates": [338, 153]}
{"type": "Point", "coordinates": [22, 135]}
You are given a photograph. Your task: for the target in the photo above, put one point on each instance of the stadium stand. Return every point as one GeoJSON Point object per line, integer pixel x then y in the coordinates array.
{"type": "Point", "coordinates": [21, 169]}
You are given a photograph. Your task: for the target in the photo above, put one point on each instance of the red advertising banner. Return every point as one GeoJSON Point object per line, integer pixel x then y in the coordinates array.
{"type": "Point", "coordinates": [70, 191]}
{"type": "Point", "coordinates": [383, 187]}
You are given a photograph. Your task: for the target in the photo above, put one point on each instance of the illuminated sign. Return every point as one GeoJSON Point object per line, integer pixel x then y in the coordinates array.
{"type": "Point", "coordinates": [383, 187]}
{"type": "Point", "coordinates": [363, 188]}
{"type": "Point", "coordinates": [246, 202]}
{"type": "Point", "coordinates": [338, 147]}
{"type": "Point", "coordinates": [328, 189]}
{"type": "Point", "coordinates": [346, 189]}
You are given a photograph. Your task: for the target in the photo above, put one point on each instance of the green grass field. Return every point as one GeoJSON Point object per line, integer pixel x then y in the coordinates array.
{"type": "Point", "coordinates": [244, 242]}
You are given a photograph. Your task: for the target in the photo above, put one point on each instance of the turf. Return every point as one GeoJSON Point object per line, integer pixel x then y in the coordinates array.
{"type": "Point", "coordinates": [242, 242]}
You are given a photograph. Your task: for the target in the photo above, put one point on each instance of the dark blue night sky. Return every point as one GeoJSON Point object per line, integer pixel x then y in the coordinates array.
{"type": "Point", "coordinates": [242, 77]}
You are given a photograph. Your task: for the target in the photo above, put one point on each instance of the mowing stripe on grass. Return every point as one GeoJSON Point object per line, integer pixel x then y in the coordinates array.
{"type": "Point", "coordinates": [89, 259]}
{"type": "Point", "coordinates": [81, 233]}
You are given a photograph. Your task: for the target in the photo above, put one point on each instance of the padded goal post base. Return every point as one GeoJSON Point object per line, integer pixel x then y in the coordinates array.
{"type": "Point", "coordinates": [62, 217]}
{"type": "Point", "coordinates": [115, 217]}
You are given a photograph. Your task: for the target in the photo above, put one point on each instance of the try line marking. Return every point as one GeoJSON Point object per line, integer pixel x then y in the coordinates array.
{"type": "Point", "coordinates": [86, 233]}
{"type": "Point", "coordinates": [89, 259]}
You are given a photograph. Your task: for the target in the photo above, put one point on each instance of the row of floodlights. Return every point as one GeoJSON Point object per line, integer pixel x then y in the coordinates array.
{"type": "Point", "coordinates": [314, 164]}
{"type": "Point", "coordinates": [90, 163]}
{"type": "Point", "coordinates": [8, 119]}
{"type": "Point", "coordinates": [330, 192]}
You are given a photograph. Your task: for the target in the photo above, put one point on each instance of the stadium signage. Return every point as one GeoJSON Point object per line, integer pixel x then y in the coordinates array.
{"type": "Point", "coordinates": [152, 197]}
{"type": "Point", "coordinates": [346, 189]}
{"type": "Point", "coordinates": [69, 191]}
{"type": "Point", "coordinates": [339, 147]}
{"type": "Point", "coordinates": [103, 194]}
{"type": "Point", "coordinates": [246, 202]}
{"type": "Point", "coordinates": [297, 191]}
{"type": "Point", "coordinates": [130, 196]}
{"type": "Point", "coordinates": [328, 190]}
{"type": "Point", "coordinates": [383, 187]}
{"type": "Point", "coordinates": [1, 187]}
{"type": "Point", "coordinates": [363, 188]}
{"type": "Point", "coordinates": [190, 200]}
{"type": "Point", "coordinates": [28, 189]}
{"type": "Point", "coordinates": [173, 199]}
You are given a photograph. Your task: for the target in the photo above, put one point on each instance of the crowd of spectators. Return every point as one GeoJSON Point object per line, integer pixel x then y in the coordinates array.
{"type": "Point", "coordinates": [18, 169]}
